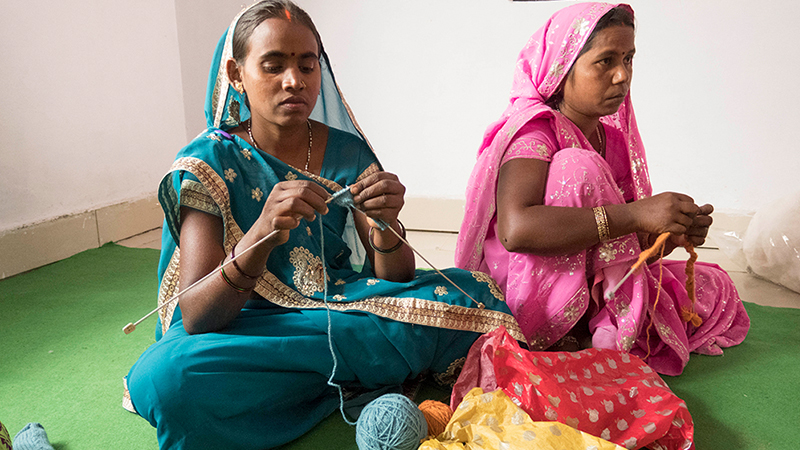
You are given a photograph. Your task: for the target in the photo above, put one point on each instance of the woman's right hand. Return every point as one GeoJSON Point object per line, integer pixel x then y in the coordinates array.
{"type": "Point", "coordinates": [286, 205]}
{"type": "Point", "coordinates": [666, 212]}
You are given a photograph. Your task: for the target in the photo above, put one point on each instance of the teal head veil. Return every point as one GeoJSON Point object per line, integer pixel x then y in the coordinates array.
{"type": "Point", "coordinates": [225, 109]}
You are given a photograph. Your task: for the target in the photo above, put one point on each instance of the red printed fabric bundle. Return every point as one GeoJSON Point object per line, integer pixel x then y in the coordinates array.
{"type": "Point", "coordinates": [606, 393]}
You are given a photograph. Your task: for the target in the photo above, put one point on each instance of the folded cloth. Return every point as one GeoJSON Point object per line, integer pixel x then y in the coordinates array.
{"type": "Point", "coordinates": [606, 393]}
{"type": "Point", "coordinates": [492, 421]}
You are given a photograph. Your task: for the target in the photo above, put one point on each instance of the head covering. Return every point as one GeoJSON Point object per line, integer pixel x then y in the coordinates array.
{"type": "Point", "coordinates": [225, 108]}
{"type": "Point", "coordinates": [541, 67]}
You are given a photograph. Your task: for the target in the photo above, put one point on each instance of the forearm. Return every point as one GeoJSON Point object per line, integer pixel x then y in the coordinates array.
{"type": "Point", "coordinates": [397, 265]}
{"type": "Point", "coordinates": [556, 230]}
{"type": "Point", "coordinates": [212, 305]}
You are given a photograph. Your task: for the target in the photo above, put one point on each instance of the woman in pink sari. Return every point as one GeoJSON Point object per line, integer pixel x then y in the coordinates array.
{"type": "Point", "coordinates": [559, 206]}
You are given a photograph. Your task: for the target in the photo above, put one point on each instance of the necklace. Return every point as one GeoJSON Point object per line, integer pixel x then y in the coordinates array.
{"type": "Point", "coordinates": [310, 140]}
{"type": "Point", "coordinates": [601, 148]}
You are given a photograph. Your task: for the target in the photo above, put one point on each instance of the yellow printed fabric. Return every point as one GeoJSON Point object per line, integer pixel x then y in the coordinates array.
{"type": "Point", "coordinates": [491, 421]}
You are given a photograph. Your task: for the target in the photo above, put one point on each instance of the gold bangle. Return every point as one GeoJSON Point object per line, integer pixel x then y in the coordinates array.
{"type": "Point", "coordinates": [602, 223]}
{"type": "Point", "coordinates": [231, 283]}
{"type": "Point", "coordinates": [239, 269]}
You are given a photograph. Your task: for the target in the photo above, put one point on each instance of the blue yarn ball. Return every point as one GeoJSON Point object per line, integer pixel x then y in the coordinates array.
{"type": "Point", "coordinates": [390, 422]}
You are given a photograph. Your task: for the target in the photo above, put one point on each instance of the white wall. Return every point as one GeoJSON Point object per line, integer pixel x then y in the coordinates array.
{"type": "Point", "coordinates": [91, 109]}
{"type": "Point", "coordinates": [201, 23]}
{"type": "Point", "coordinates": [97, 97]}
{"type": "Point", "coordinates": [715, 88]}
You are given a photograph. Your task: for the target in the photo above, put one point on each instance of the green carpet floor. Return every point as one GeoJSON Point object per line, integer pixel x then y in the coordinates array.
{"type": "Point", "coordinates": [63, 356]}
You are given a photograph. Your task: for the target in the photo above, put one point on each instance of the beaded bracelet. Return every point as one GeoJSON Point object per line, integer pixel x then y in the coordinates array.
{"type": "Point", "coordinates": [229, 282]}
{"type": "Point", "coordinates": [239, 269]}
{"type": "Point", "coordinates": [388, 250]}
{"type": "Point", "coordinates": [601, 219]}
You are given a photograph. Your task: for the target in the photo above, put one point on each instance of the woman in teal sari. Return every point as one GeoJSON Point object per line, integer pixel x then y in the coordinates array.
{"type": "Point", "coordinates": [243, 361]}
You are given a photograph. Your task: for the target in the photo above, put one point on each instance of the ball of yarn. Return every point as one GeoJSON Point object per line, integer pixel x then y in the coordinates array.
{"type": "Point", "coordinates": [437, 415]}
{"type": "Point", "coordinates": [390, 422]}
{"type": "Point", "coordinates": [5, 439]}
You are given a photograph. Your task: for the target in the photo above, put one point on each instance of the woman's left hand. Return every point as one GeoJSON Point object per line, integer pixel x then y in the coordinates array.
{"type": "Point", "coordinates": [697, 232]}
{"type": "Point", "coordinates": [380, 196]}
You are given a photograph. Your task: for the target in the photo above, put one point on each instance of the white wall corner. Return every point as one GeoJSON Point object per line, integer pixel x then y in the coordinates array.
{"type": "Point", "coordinates": [42, 243]}
{"type": "Point", "coordinates": [123, 220]}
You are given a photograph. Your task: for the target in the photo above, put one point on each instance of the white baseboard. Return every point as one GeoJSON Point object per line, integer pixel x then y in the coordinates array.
{"type": "Point", "coordinates": [445, 215]}
{"type": "Point", "coordinates": [432, 214]}
{"type": "Point", "coordinates": [36, 245]}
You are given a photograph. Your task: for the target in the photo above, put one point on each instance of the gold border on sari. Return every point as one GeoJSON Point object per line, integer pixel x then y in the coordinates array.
{"type": "Point", "coordinates": [407, 310]}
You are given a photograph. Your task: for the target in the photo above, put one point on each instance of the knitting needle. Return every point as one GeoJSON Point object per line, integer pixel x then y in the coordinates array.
{"type": "Point", "coordinates": [132, 326]}
{"type": "Point", "coordinates": [338, 194]}
{"type": "Point", "coordinates": [642, 258]}
{"type": "Point", "coordinates": [480, 305]}
{"type": "Point", "coordinates": [384, 225]}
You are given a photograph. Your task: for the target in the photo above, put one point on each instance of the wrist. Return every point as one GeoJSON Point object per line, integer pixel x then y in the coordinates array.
{"type": "Point", "coordinates": [241, 285]}
{"type": "Point", "coordinates": [386, 241]}
{"type": "Point", "coordinates": [621, 219]}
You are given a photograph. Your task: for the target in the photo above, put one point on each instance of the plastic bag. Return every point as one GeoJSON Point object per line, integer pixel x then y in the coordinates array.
{"type": "Point", "coordinates": [771, 244]}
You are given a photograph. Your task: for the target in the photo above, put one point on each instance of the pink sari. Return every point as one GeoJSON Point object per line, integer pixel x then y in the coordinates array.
{"type": "Point", "coordinates": [548, 295]}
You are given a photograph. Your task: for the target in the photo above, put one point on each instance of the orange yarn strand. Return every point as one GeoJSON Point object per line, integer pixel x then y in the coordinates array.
{"type": "Point", "coordinates": [688, 314]}
{"type": "Point", "coordinates": [658, 245]}
{"type": "Point", "coordinates": [437, 414]}
{"type": "Point", "coordinates": [658, 293]}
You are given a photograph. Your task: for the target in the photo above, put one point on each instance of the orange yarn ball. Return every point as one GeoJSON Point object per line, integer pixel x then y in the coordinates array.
{"type": "Point", "coordinates": [437, 414]}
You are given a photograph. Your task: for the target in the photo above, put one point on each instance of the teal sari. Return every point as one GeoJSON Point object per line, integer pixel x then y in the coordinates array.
{"type": "Point", "coordinates": [262, 381]}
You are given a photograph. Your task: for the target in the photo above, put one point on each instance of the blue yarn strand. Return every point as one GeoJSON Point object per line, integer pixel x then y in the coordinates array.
{"type": "Point", "coordinates": [328, 310]}
{"type": "Point", "coordinates": [392, 421]}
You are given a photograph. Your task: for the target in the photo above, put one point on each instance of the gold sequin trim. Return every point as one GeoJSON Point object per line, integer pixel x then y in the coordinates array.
{"type": "Point", "coordinates": [372, 168]}
{"type": "Point", "coordinates": [409, 310]}
{"type": "Point", "coordinates": [168, 288]}
{"type": "Point", "coordinates": [233, 113]}
{"type": "Point", "coordinates": [493, 287]}
{"type": "Point", "coordinates": [449, 376]}
{"type": "Point", "coordinates": [195, 196]}
{"type": "Point", "coordinates": [308, 271]}
{"type": "Point", "coordinates": [218, 190]}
